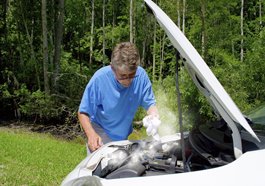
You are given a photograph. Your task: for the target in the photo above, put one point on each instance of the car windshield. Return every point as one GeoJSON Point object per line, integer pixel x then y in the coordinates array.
{"type": "Point", "coordinates": [258, 115]}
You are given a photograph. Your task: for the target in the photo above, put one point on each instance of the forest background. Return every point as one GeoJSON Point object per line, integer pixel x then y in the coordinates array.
{"type": "Point", "coordinates": [50, 49]}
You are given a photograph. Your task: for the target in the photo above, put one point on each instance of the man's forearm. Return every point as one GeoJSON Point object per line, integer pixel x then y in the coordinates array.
{"type": "Point", "coordinates": [85, 123]}
{"type": "Point", "coordinates": [152, 110]}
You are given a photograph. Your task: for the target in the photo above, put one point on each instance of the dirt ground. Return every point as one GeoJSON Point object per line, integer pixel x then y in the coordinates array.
{"type": "Point", "coordinates": [67, 132]}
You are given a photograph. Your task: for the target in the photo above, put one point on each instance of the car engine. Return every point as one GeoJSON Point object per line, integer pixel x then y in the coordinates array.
{"type": "Point", "coordinates": [141, 159]}
{"type": "Point", "coordinates": [206, 147]}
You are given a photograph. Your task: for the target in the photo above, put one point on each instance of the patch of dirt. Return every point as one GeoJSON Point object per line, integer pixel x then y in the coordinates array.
{"type": "Point", "coordinates": [68, 132]}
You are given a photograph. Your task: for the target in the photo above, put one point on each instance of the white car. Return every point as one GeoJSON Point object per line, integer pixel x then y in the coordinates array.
{"type": "Point", "coordinates": [227, 152]}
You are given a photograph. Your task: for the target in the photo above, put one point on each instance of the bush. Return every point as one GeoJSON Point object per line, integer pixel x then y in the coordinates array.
{"type": "Point", "coordinates": [37, 104]}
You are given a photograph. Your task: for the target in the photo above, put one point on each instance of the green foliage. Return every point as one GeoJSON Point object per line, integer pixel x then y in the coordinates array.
{"type": "Point", "coordinates": [138, 134]}
{"type": "Point", "coordinates": [228, 71]}
{"type": "Point", "coordinates": [21, 53]}
{"type": "Point", "coordinates": [36, 104]}
{"type": "Point", "coordinates": [73, 78]}
{"type": "Point", "coordinates": [5, 94]}
{"type": "Point", "coordinates": [72, 81]}
{"type": "Point", "coordinates": [254, 78]}
{"type": "Point", "coordinates": [140, 114]}
{"type": "Point", "coordinates": [195, 105]}
{"type": "Point", "coordinates": [118, 33]}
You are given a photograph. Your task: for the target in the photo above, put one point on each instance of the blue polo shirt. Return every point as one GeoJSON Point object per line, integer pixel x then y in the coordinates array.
{"type": "Point", "coordinates": [113, 106]}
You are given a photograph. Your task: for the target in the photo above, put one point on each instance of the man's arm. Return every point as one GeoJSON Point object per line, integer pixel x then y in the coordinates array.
{"type": "Point", "coordinates": [94, 140]}
{"type": "Point", "coordinates": [153, 111]}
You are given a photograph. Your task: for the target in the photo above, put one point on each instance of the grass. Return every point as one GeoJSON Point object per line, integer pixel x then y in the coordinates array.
{"type": "Point", "coordinates": [36, 159]}
{"type": "Point", "coordinates": [138, 134]}
{"type": "Point", "coordinates": [29, 159]}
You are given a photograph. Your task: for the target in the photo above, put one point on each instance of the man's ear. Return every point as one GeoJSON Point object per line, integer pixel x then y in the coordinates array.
{"type": "Point", "coordinates": [112, 66]}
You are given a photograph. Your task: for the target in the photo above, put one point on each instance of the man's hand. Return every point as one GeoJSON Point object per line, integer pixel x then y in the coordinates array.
{"type": "Point", "coordinates": [94, 141]}
{"type": "Point", "coordinates": [151, 123]}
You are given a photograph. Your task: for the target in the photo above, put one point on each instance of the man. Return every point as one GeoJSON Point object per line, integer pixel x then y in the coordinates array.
{"type": "Point", "coordinates": [112, 97]}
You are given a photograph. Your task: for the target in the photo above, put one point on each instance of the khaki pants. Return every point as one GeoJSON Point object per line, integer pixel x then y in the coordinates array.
{"type": "Point", "coordinates": [100, 131]}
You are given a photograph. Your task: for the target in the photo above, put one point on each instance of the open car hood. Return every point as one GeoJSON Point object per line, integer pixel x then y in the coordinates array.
{"type": "Point", "coordinates": [203, 78]}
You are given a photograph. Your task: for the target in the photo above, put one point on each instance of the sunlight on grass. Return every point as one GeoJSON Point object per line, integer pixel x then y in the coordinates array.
{"type": "Point", "coordinates": [36, 159]}
{"type": "Point", "coordinates": [138, 134]}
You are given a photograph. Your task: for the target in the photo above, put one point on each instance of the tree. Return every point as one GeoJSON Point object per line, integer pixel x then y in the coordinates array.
{"type": "Point", "coordinates": [131, 21]}
{"type": "Point", "coordinates": [3, 31]}
{"type": "Point", "coordinates": [92, 31]}
{"type": "Point", "coordinates": [242, 31]}
{"type": "Point", "coordinates": [103, 28]}
{"type": "Point", "coordinates": [260, 12]}
{"type": "Point", "coordinates": [183, 16]}
{"type": "Point", "coordinates": [154, 52]}
{"type": "Point", "coordinates": [45, 45]}
{"type": "Point", "coordinates": [58, 40]}
{"type": "Point", "coordinates": [30, 38]}
{"type": "Point", "coordinates": [203, 32]}
{"type": "Point", "coordinates": [178, 12]}
{"type": "Point", "coordinates": [162, 49]}
{"type": "Point", "coordinates": [74, 42]}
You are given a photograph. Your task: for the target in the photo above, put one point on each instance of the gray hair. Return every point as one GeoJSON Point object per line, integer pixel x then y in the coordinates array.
{"type": "Point", "coordinates": [125, 56]}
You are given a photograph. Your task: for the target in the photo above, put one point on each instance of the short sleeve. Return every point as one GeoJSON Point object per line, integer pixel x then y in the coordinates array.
{"type": "Point", "coordinates": [90, 99]}
{"type": "Point", "coordinates": [148, 98]}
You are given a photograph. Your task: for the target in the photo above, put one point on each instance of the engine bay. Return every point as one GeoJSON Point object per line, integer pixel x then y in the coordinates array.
{"type": "Point", "coordinates": [206, 147]}
{"type": "Point", "coordinates": [141, 158]}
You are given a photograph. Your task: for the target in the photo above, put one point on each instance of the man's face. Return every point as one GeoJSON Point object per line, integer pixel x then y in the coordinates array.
{"type": "Point", "coordinates": [124, 77]}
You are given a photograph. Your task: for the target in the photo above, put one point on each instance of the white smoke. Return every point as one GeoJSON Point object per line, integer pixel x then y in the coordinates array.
{"type": "Point", "coordinates": [169, 118]}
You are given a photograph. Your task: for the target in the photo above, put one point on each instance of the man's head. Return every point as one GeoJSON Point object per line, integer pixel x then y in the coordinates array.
{"type": "Point", "coordinates": [125, 56]}
{"type": "Point", "coordinates": [125, 59]}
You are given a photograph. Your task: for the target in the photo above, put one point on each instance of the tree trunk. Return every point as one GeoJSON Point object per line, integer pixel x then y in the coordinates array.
{"type": "Point", "coordinates": [183, 16]}
{"type": "Point", "coordinates": [242, 31]}
{"type": "Point", "coordinates": [21, 60]}
{"type": "Point", "coordinates": [92, 31]}
{"type": "Point", "coordinates": [131, 21]}
{"type": "Point", "coordinates": [103, 28]}
{"type": "Point", "coordinates": [154, 52]}
{"type": "Point", "coordinates": [162, 58]}
{"type": "Point", "coordinates": [30, 37]}
{"type": "Point", "coordinates": [260, 13]}
{"type": "Point", "coordinates": [113, 21]}
{"type": "Point", "coordinates": [143, 53]}
{"type": "Point", "coordinates": [178, 12]}
{"type": "Point", "coordinates": [51, 43]}
{"type": "Point", "coordinates": [203, 39]}
{"type": "Point", "coordinates": [144, 27]}
{"type": "Point", "coordinates": [45, 46]}
{"type": "Point", "coordinates": [58, 40]}
{"type": "Point", "coordinates": [3, 31]}
{"type": "Point", "coordinates": [51, 53]}
{"type": "Point", "coordinates": [134, 23]}
{"type": "Point", "coordinates": [233, 48]}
